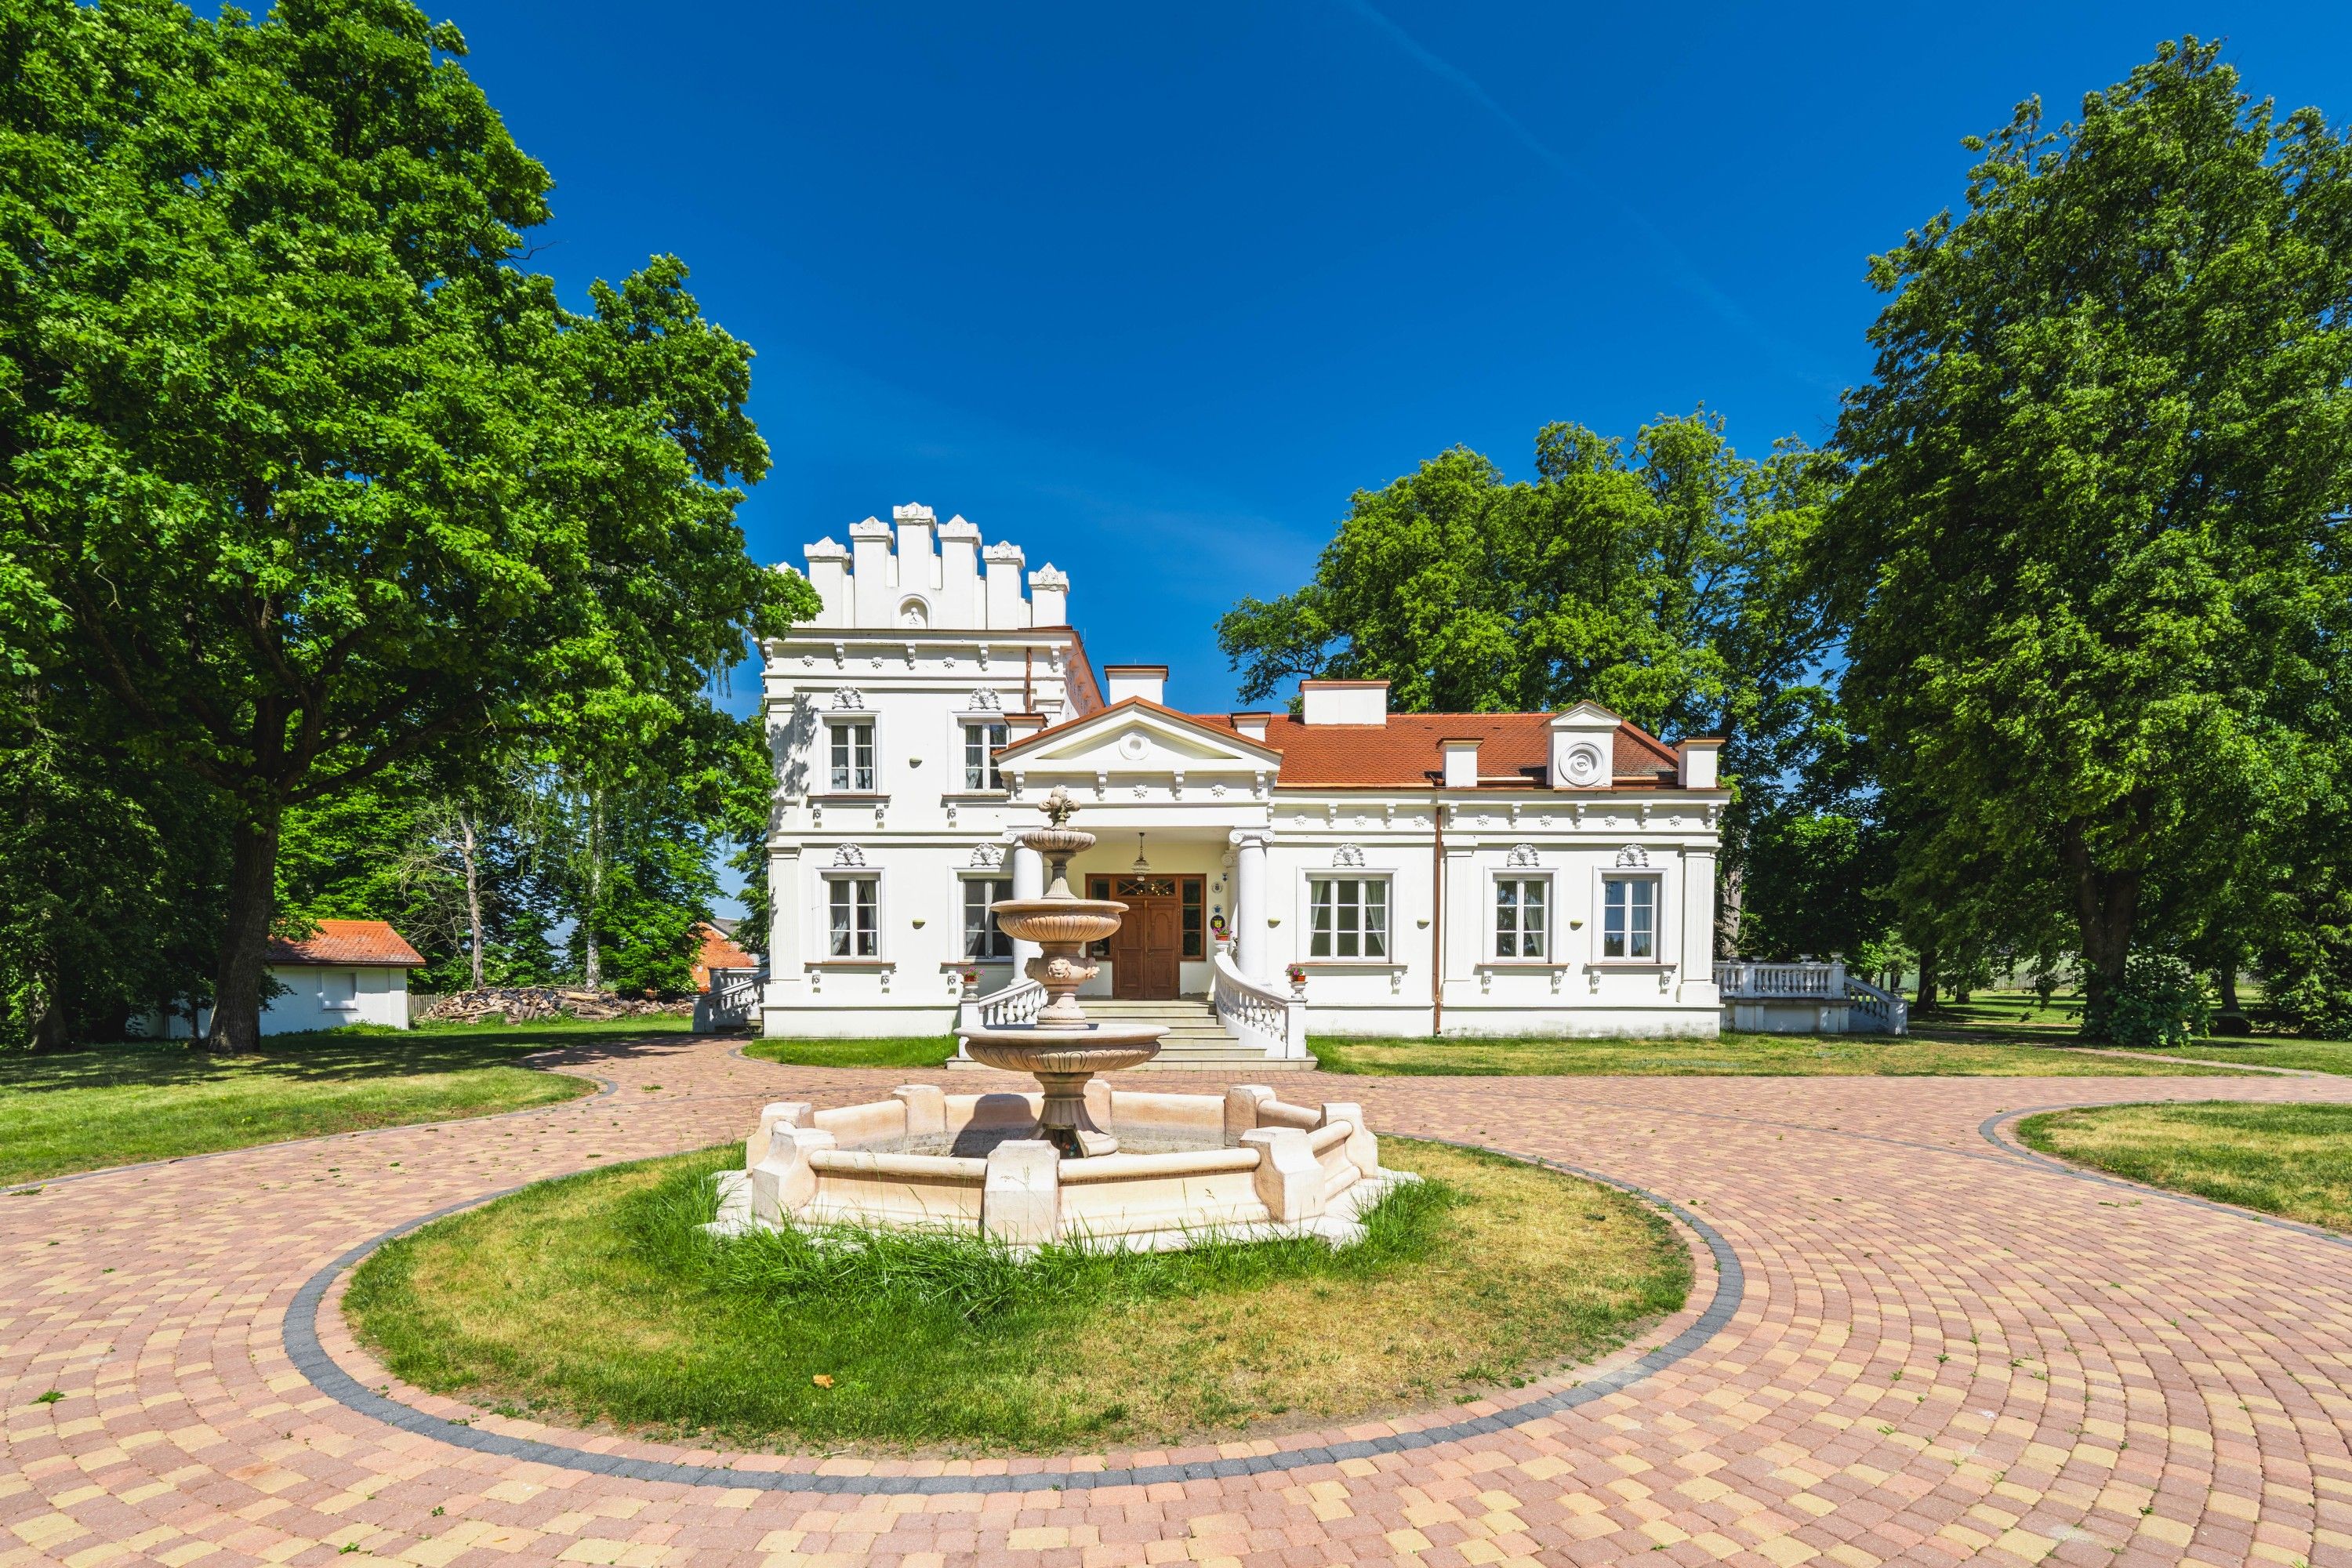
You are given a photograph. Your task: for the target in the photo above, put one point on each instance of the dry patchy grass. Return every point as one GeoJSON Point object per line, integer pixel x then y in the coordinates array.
{"type": "Point", "coordinates": [2294, 1161]}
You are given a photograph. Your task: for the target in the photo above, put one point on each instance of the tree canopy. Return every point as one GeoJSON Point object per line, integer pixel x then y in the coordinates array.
{"type": "Point", "coordinates": [2089, 564]}
{"type": "Point", "coordinates": [302, 467]}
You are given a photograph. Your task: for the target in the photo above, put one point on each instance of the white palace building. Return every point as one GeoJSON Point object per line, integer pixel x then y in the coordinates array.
{"type": "Point", "coordinates": [1345, 871]}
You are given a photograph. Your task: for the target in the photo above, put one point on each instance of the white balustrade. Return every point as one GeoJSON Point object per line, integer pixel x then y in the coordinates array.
{"type": "Point", "coordinates": [732, 1002]}
{"type": "Point", "coordinates": [1825, 984]}
{"type": "Point", "coordinates": [1272, 1019]}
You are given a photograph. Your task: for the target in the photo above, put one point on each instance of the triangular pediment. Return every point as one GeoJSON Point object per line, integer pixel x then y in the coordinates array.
{"type": "Point", "coordinates": [1136, 736]}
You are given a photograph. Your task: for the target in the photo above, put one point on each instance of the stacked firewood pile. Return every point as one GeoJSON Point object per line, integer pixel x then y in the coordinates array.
{"type": "Point", "coordinates": [524, 1004]}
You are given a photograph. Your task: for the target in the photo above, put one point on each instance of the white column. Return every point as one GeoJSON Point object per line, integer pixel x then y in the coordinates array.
{"type": "Point", "coordinates": [1249, 903]}
{"type": "Point", "coordinates": [1028, 883]}
{"type": "Point", "coordinates": [784, 924]}
{"type": "Point", "coordinates": [1698, 928]}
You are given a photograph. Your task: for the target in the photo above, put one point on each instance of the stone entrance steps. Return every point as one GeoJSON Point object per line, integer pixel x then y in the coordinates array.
{"type": "Point", "coordinates": [1195, 1040]}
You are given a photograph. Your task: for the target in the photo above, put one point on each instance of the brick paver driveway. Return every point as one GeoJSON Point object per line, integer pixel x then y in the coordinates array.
{"type": "Point", "coordinates": [1936, 1351]}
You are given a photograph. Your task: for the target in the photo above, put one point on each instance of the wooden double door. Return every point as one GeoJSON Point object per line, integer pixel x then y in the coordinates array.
{"type": "Point", "coordinates": [1164, 927]}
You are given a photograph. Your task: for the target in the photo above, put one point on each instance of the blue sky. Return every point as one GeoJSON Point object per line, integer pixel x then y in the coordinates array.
{"type": "Point", "coordinates": [1151, 289]}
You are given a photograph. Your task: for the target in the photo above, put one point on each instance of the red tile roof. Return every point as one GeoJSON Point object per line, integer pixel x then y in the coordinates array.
{"type": "Point", "coordinates": [1514, 748]}
{"type": "Point", "coordinates": [363, 943]}
{"type": "Point", "coordinates": [1407, 751]}
{"type": "Point", "coordinates": [718, 952]}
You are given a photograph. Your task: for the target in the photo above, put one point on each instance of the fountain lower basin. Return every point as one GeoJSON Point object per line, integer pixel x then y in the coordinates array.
{"type": "Point", "coordinates": [1240, 1165]}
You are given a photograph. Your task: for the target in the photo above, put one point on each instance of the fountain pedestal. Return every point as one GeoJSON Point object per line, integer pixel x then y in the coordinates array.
{"type": "Point", "coordinates": [1062, 1049]}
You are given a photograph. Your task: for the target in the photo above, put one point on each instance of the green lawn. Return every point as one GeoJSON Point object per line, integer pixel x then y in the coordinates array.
{"type": "Point", "coordinates": [1776, 1056]}
{"type": "Point", "coordinates": [597, 1298]}
{"type": "Point", "coordinates": [2312, 1056]}
{"type": "Point", "coordinates": [2294, 1161]}
{"type": "Point", "coordinates": [117, 1104]}
{"type": "Point", "coordinates": [904, 1051]}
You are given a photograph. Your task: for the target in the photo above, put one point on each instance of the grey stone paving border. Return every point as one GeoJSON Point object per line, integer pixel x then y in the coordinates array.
{"type": "Point", "coordinates": [1992, 1128]}
{"type": "Point", "coordinates": [311, 1359]}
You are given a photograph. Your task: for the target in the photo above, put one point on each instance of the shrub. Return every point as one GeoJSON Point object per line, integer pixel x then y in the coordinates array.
{"type": "Point", "coordinates": [2162, 1002]}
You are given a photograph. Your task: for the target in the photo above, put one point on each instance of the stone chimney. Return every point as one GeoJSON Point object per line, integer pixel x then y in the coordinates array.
{"type": "Point", "coordinates": [1462, 763]}
{"type": "Point", "coordinates": [1252, 726]}
{"type": "Point", "coordinates": [1121, 681]}
{"type": "Point", "coordinates": [1699, 756]}
{"type": "Point", "coordinates": [1344, 701]}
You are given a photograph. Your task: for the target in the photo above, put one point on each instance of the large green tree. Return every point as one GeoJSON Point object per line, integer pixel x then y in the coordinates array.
{"type": "Point", "coordinates": [2090, 563]}
{"type": "Point", "coordinates": [1663, 580]}
{"type": "Point", "coordinates": [322, 481]}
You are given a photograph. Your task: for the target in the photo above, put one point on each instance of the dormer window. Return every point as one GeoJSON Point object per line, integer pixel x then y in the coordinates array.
{"type": "Point", "coordinates": [853, 755]}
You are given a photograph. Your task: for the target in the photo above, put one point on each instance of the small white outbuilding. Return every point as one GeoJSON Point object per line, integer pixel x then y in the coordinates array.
{"type": "Point", "coordinates": [347, 971]}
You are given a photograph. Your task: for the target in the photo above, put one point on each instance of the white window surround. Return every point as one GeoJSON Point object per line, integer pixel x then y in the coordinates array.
{"type": "Point", "coordinates": [821, 927]}
{"type": "Point", "coordinates": [959, 751]}
{"type": "Point", "coordinates": [1303, 909]}
{"type": "Point", "coordinates": [1550, 957]}
{"type": "Point", "coordinates": [965, 877]}
{"type": "Point", "coordinates": [1668, 914]}
{"type": "Point", "coordinates": [339, 991]}
{"type": "Point", "coordinates": [840, 718]}
{"type": "Point", "coordinates": [1364, 902]}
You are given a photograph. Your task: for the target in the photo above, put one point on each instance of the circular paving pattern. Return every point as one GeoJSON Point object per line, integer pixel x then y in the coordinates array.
{"type": "Point", "coordinates": [1908, 1342]}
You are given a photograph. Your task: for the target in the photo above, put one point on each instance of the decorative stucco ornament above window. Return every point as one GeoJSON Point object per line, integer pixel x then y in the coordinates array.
{"type": "Point", "coordinates": [1632, 854]}
{"type": "Point", "coordinates": [1348, 855]}
{"type": "Point", "coordinates": [1582, 766]}
{"type": "Point", "coordinates": [987, 857]}
{"type": "Point", "coordinates": [849, 699]}
{"type": "Point", "coordinates": [849, 855]}
{"type": "Point", "coordinates": [1522, 854]}
{"type": "Point", "coordinates": [982, 700]}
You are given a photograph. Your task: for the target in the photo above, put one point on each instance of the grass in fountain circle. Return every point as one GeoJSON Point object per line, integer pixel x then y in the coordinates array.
{"type": "Point", "coordinates": [2294, 1161]}
{"type": "Point", "coordinates": [596, 1300]}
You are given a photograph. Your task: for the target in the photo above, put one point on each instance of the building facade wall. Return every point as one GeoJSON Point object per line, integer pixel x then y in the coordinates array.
{"type": "Point", "coordinates": [918, 641]}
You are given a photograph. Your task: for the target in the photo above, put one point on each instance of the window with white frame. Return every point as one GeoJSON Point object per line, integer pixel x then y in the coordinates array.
{"type": "Point", "coordinates": [339, 989]}
{"type": "Point", "coordinates": [1349, 917]}
{"type": "Point", "coordinates": [853, 755]}
{"type": "Point", "coordinates": [979, 744]}
{"type": "Point", "coordinates": [982, 939]}
{"type": "Point", "coordinates": [1629, 917]}
{"type": "Point", "coordinates": [1522, 917]}
{"type": "Point", "coordinates": [856, 907]}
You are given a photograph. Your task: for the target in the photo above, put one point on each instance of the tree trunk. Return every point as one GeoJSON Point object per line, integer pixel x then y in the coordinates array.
{"type": "Point", "coordinates": [592, 956]}
{"type": "Point", "coordinates": [1727, 911]}
{"type": "Point", "coordinates": [466, 846]}
{"type": "Point", "coordinates": [2104, 904]}
{"type": "Point", "coordinates": [2225, 979]}
{"type": "Point", "coordinates": [244, 941]}
{"type": "Point", "coordinates": [1924, 1000]}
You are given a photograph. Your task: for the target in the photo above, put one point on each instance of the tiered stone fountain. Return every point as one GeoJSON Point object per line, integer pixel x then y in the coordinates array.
{"type": "Point", "coordinates": [1062, 1050]}
{"type": "Point", "coordinates": [1028, 1169]}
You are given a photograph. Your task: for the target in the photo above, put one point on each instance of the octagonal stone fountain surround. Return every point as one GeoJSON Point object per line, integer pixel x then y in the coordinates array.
{"type": "Point", "coordinates": [1257, 1168]}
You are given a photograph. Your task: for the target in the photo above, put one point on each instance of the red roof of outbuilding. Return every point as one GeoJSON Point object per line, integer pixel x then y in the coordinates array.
{"type": "Point", "coordinates": [362, 943]}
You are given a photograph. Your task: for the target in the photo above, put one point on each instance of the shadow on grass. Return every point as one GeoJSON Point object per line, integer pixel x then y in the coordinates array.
{"type": "Point", "coordinates": [333, 1056]}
